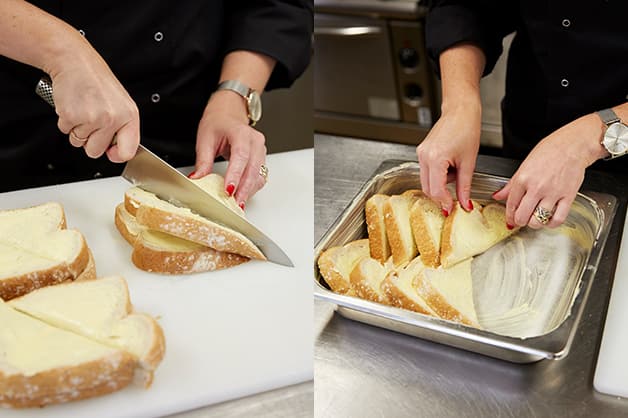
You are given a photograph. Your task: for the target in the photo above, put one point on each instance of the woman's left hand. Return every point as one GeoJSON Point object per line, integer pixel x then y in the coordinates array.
{"type": "Point", "coordinates": [549, 178]}
{"type": "Point", "coordinates": [224, 130]}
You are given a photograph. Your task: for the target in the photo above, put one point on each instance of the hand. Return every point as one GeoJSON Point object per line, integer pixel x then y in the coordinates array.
{"type": "Point", "coordinates": [552, 173]}
{"type": "Point", "coordinates": [224, 130]}
{"type": "Point", "coordinates": [93, 106]}
{"type": "Point", "coordinates": [453, 142]}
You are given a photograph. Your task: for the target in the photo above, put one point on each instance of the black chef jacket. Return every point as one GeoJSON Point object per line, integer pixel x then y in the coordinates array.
{"type": "Point", "coordinates": [168, 56]}
{"type": "Point", "coordinates": [568, 59]}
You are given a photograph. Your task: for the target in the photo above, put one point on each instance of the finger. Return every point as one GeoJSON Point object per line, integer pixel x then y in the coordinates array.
{"type": "Point", "coordinates": [503, 193]}
{"type": "Point", "coordinates": [238, 161]}
{"type": "Point", "coordinates": [76, 142]}
{"type": "Point", "coordinates": [524, 210]}
{"type": "Point", "coordinates": [424, 171]}
{"type": "Point", "coordinates": [563, 206]}
{"type": "Point", "coordinates": [205, 153]}
{"type": "Point", "coordinates": [515, 194]}
{"type": "Point", "coordinates": [252, 180]}
{"type": "Point", "coordinates": [546, 203]}
{"type": "Point", "coordinates": [463, 185]}
{"type": "Point", "coordinates": [127, 141]}
{"type": "Point", "coordinates": [99, 141]}
{"type": "Point", "coordinates": [438, 186]}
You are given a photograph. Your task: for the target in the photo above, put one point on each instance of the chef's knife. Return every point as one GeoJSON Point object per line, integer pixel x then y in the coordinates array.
{"type": "Point", "coordinates": [151, 173]}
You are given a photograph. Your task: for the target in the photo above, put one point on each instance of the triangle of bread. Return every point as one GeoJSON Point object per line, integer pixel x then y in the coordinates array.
{"type": "Point", "coordinates": [427, 222]}
{"type": "Point", "coordinates": [72, 367]}
{"type": "Point", "coordinates": [400, 288]}
{"type": "Point", "coordinates": [159, 252]}
{"type": "Point", "coordinates": [101, 311]}
{"type": "Point", "coordinates": [466, 234]}
{"type": "Point", "coordinates": [449, 292]}
{"type": "Point", "coordinates": [398, 228]}
{"type": "Point", "coordinates": [367, 277]}
{"type": "Point", "coordinates": [376, 227]}
{"type": "Point", "coordinates": [336, 264]}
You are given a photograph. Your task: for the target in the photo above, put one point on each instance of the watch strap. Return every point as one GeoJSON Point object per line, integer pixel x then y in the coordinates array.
{"type": "Point", "coordinates": [608, 116]}
{"type": "Point", "coordinates": [234, 85]}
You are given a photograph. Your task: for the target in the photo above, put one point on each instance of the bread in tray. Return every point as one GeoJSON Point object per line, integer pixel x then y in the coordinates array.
{"type": "Point", "coordinates": [400, 287]}
{"type": "Point", "coordinates": [426, 220]}
{"type": "Point", "coordinates": [398, 228]}
{"type": "Point", "coordinates": [376, 227]}
{"type": "Point", "coordinates": [367, 277]}
{"type": "Point", "coordinates": [159, 252]}
{"type": "Point", "coordinates": [336, 264]}
{"type": "Point", "coordinates": [37, 250]}
{"type": "Point", "coordinates": [159, 215]}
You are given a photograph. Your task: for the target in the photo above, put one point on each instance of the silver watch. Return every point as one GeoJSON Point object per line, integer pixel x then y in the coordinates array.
{"type": "Point", "coordinates": [252, 97]}
{"type": "Point", "coordinates": [615, 138]}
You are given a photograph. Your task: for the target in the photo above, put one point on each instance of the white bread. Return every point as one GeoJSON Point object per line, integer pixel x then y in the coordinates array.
{"type": "Point", "coordinates": [89, 273]}
{"type": "Point", "coordinates": [398, 229]}
{"type": "Point", "coordinates": [449, 292]}
{"type": "Point", "coordinates": [336, 264]}
{"type": "Point", "coordinates": [400, 288]}
{"type": "Point", "coordinates": [37, 251]}
{"type": "Point", "coordinates": [100, 310]}
{"type": "Point", "coordinates": [159, 252]}
{"type": "Point", "coordinates": [367, 277]}
{"type": "Point", "coordinates": [376, 227]}
{"type": "Point", "coordinates": [426, 220]}
{"type": "Point", "coordinates": [466, 234]}
{"type": "Point", "coordinates": [159, 215]}
{"type": "Point", "coordinates": [72, 367]}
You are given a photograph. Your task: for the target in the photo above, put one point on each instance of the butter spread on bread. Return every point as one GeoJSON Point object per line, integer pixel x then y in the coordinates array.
{"type": "Point", "coordinates": [427, 222]}
{"type": "Point", "coordinates": [398, 228]}
{"type": "Point", "coordinates": [401, 290]}
{"type": "Point", "coordinates": [367, 277]}
{"type": "Point", "coordinates": [337, 263]}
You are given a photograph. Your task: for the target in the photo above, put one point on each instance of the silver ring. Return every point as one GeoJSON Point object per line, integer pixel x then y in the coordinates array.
{"type": "Point", "coordinates": [263, 171]}
{"type": "Point", "coordinates": [542, 215]}
{"type": "Point", "coordinates": [75, 136]}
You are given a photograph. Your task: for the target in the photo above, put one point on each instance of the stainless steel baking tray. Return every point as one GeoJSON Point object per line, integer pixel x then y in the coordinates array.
{"type": "Point", "coordinates": [529, 290]}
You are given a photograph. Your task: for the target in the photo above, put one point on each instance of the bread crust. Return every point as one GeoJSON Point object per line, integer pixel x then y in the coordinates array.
{"type": "Point", "coordinates": [376, 227]}
{"type": "Point", "coordinates": [398, 298]}
{"type": "Point", "coordinates": [66, 384]}
{"type": "Point", "coordinates": [428, 249]}
{"type": "Point", "coordinates": [89, 273]}
{"type": "Point", "coordinates": [396, 224]}
{"type": "Point", "coordinates": [359, 278]}
{"type": "Point", "coordinates": [328, 268]}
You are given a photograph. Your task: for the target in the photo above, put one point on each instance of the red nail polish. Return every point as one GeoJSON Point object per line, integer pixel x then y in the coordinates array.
{"type": "Point", "coordinates": [191, 174]}
{"type": "Point", "coordinates": [510, 227]}
{"type": "Point", "coordinates": [230, 188]}
{"type": "Point", "coordinates": [241, 205]}
{"type": "Point", "coordinates": [445, 212]}
{"type": "Point", "coordinates": [470, 205]}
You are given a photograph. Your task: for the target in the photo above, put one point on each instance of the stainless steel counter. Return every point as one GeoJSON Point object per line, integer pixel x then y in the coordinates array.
{"type": "Point", "coordinates": [364, 371]}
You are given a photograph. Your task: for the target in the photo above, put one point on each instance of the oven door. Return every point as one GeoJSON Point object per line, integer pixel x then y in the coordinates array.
{"type": "Point", "coordinates": [353, 68]}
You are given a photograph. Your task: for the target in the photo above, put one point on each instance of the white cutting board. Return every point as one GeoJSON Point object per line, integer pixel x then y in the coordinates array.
{"type": "Point", "coordinates": [611, 372]}
{"type": "Point", "coordinates": [229, 333]}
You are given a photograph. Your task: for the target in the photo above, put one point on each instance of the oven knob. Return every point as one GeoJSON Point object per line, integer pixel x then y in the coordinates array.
{"type": "Point", "coordinates": [408, 57]}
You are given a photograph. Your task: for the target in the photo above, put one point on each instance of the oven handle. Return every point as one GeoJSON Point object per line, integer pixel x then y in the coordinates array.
{"type": "Point", "coordinates": [349, 31]}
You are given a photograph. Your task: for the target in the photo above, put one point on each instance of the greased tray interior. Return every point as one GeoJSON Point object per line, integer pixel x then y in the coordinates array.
{"type": "Point", "coordinates": [529, 290]}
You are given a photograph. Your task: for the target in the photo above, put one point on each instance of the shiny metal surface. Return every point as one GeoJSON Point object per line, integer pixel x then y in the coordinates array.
{"type": "Point", "coordinates": [366, 371]}
{"type": "Point", "coordinates": [151, 173]}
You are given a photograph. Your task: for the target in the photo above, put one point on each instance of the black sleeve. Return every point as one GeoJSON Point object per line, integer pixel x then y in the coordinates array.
{"type": "Point", "coordinates": [281, 29]}
{"type": "Point", "coordinates": [481, 22]}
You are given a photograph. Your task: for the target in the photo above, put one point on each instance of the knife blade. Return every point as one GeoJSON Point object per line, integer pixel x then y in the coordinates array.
{"type": "Point", "coordinates": [149, 172]}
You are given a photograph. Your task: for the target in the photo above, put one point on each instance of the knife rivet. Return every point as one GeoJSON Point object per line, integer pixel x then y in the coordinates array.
{"type": "Point", "coordinates": [155, 98]}
{"type": "Point", "coordinates": [97, 175]}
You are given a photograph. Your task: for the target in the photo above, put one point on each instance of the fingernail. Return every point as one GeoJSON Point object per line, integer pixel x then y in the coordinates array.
{"type": "Point", "coordinates": [241, 204]}
{"type": "Point", "coordinates": [494, 193]}
{"type": "Point", "coordinates": [470, 205]}
{"type": "Point", "coordinates": [191, 174]}
{"type": "Point", "coordinates": [445, 212]}
{"type": "Point", "coordinates": [230, 188]}
{"type": "Point", "coordinates": [510, 227]}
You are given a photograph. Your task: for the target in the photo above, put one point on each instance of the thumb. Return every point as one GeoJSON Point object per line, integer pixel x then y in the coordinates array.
{"type": "Point", "coordinates": [463, 184]}
{"type": "Point", "coordinates": [503, 193]}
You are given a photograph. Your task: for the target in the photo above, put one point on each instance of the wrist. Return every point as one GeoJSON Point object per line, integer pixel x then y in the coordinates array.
{"type": "Point", "coordinates": [595, 132]}
{"type": "Point", "coordinates": [468, 106]}
{"type": "Point", "coordinates": [68, 48]}
{"type": "Point", "coordinates": [230, 102]}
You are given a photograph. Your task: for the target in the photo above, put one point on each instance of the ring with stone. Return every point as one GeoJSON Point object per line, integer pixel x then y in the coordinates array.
{"type": "Point", "coordinates": [263, 171]}
{"type": "Point", "coordinates": [542, 215]}
{"type": "Point", "coordinates": [78, 138]}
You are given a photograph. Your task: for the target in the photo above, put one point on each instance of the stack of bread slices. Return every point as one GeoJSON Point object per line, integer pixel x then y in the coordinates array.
{"type": "Point", "coordinates": [172, 240]}
{"type": "Point", "coordinates": [65, 334]}
{"type": "Point", "coordinates": [415, 258]}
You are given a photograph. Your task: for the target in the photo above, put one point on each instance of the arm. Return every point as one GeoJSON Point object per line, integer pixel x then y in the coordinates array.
{"type": "Point", "coordinates": [554, 170]}
{"type": "Point", "coordinates": [89, 100]}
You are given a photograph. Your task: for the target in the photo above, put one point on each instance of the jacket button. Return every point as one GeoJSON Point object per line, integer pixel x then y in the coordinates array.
{"type": "Point", "coordinates": [566, 23]}
{"type": "Point", "coordinates": [564, 82]}
{"type": "Point", "coordinates": [155, 98]}
{"type": "Point", "coordinates": [50, 167]}
{"type": "Point", "coordinates": [82, 32]}
{"type": "Point", "coordinates": [159, 36]}
{"type": "Point", "coordinates": [97, 175]}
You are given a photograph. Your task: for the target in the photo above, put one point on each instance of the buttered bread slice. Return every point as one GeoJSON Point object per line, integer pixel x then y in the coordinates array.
{"type": "Point", "coordinates": [100, 310]}
{"type": "Point", "coordinates": [427, 222]}
{"type": "Point", "coordinates": [398, 228]}
{"type": "Point", "coordinates": [41, 364]}
{"type": "Point", "coordinates": [367, 277]}
{"type": "Point", "coordinates": [376, 227]}
{"type": "Point", "coordinates": [400, 287]}
{"type": "Point", "coordinates": [336, 264]}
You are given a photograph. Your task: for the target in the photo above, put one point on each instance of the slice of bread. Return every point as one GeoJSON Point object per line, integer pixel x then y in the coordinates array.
{"type": "Point", "coordinates": [42, 365]}
{"type": "Point", "coordinates": [400, 288]}
{"type": "Point", "coordinates": [100, 310]}
{"type": "Point", "coordinates": [336, 264]}
{"type": "Point", "coordinates": [159, 252]}
{"type": "Point", "coordinates": [45, 217]}
{"type": "Point", "coordinates": [376, 227]}
{"type": "Point", "coordinates": [398, 228]}
{"type": "Point", "coordinates": [449, 292]}
{"type": "Point", "coordinates": [159, 215]}
{"type": "Point", "coordinates": [466, 234]}
{"type": "Point", "coordinates": [427, 223]}
{"type": "Point", "coordinates": [367, 277]}
{"type": "Point", "coordinates": [90, 270]}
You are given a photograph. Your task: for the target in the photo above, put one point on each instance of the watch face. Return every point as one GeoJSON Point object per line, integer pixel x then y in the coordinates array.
{"type": "Point", "coordinates": [255, 106]}
{"type": "Point", "coordinates": [616, 139]}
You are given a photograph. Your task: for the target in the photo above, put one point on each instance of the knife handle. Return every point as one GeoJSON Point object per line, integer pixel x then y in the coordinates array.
{"type": "Point", "coordinates": [44, 90]}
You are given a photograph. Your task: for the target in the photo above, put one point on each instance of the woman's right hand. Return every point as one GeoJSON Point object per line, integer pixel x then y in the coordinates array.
{"type": "Point", "coordinates": [93, 106]}
{"type": "Point", "coordinates": [449, 153]}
